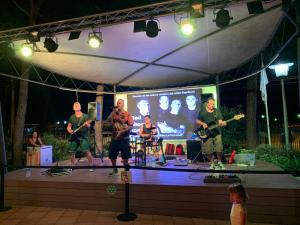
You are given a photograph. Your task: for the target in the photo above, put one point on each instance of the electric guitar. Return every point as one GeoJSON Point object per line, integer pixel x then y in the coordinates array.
{"type": "Point", "coordinates": [211, 130]}
{"type": "Point", "coordinates": [118, 129]}
{"type": "Point", "coordinates": [75, 136]}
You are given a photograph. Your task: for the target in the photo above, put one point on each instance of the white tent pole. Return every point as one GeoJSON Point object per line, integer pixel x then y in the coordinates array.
{"type": "Point", "coordinates": [268, 122]}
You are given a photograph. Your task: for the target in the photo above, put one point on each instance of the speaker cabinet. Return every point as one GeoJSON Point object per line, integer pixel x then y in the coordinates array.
{"type": "Point", "coordinates": [193, 149]}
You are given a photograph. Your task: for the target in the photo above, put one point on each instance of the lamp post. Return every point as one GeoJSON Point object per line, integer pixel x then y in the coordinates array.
{"type": "Point", "coordinates": [281, 71]}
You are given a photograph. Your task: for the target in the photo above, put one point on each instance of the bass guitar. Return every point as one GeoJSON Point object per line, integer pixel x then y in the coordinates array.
{"type": "Point", "coordinates": [75, 136]}
{"type": "Point", "coordinates": [211, 130]}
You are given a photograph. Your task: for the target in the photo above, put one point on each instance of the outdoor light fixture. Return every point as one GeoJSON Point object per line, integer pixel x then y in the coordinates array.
{"type": "Point", "coordinates": [26, 50]}
{"type": "Point", "coordinates": [50, 44]}
{"type": "Point", "coordinates": [196, 8]}
{"type": "Point", "coordinates": [152, 28]}
{"type": "Point", "coordinates": [222, 17]}
{"type": "Point", "coordinates": [95, 39]}
{"type": "Point", "coordinates": [281, 70]}
{"type": "Point", "coordinates": [186, 27]}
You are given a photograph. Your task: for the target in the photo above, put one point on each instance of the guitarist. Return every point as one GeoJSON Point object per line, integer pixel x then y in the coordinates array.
{"type": "Point", "coordinates": [79, 141]}
{"type": "Point", "coordinates": [206, 117]}
{"type": "Point", "coordinates": [122, 124]}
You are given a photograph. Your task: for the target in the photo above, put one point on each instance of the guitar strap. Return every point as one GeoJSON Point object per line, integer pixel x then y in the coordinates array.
{"type": "Point", "coordinates": [79, 121]}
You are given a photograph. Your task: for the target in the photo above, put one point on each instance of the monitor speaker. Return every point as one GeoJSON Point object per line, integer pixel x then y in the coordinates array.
{"type": "Point", "coordinates": [194, 149]}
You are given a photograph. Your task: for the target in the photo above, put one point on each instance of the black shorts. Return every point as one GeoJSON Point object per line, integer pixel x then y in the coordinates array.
{"type": "Point", "coordinates": [117, 146]}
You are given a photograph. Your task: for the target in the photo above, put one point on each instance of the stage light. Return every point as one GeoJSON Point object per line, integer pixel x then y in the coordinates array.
{"type": "Point", "coordinates": [281, 70]}
{"type": "Point", "coordinates": [186, 27]}
{"type": "Point", "coordinates": [196, 8]}
{"type": "Point", "coordinates": [275, 119]}
{"type": "Point", "coordinates": [152, 28]}
{"type": "Point", "coordinates": [50, 44]}
{"type": "Point", "coordinates": [34, 37]}
{"type": "Point", "coordinates": [65, 122]}
{"type": "Point", "coordinates": [222, 17]}
{"type": "Point", "coordinates": [262, 116]}
{"type": "Point", "coordinates": [298, 115]}
{"type": "Point", "coordinates": [95, 39]}
{"type": "Point", "coordinates": [74, 35]}
{"type": "Point", "coordinates": [57, 122]}
{"type": "Point", "coordinates": [139, 26]}
{"type": "Point", "coordinates": [26, 50]}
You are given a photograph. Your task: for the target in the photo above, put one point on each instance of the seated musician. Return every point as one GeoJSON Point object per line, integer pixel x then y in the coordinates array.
{"type": "Point", "coordinates": [148, 132]}
{"type": "Point", "coordinates": [35, 140]}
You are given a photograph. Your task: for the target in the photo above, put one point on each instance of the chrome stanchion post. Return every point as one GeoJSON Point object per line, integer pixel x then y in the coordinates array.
{"type": "Point", "coordinates": [2, 207]}
{"type": "Point", "coordinates": [127, 216]}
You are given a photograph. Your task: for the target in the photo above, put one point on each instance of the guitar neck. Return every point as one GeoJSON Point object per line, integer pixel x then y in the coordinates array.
{"type": "Point", "coordinates": [81, 126]}
{"type": "Point", "coordinates": [217, 125]}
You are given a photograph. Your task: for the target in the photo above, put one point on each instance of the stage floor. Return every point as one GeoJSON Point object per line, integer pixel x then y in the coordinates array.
{"type": "Point", "coordinates": [273, 198]}
{"type": "Point", "coordinates": [155, 177]}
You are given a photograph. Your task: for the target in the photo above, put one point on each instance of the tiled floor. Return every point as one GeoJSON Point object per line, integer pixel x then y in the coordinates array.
{"type": "Point", "coordinates": [54, 216]}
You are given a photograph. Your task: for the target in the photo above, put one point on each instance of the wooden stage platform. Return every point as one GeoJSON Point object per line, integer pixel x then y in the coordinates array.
{"type": "Point", "coordinates": [273, 198]}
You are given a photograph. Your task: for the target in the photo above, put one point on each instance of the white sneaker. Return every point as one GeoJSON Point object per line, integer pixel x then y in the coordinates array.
{"type": "Point", "coordinates": [91, 170]}
{"type": "Point", "coordinates": [212, 166]}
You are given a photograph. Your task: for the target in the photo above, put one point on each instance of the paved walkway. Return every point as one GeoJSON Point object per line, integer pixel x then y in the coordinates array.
{"type": "Point", "coordinates": [54, 216]}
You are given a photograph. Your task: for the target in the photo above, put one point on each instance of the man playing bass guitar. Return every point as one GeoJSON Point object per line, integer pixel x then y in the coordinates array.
{"type": "Point", "coordinates": [122, 124]}
{"type": "Point", "coordinates": [78, 127]}
{"type": "Point", "coordinates": [213, 143]}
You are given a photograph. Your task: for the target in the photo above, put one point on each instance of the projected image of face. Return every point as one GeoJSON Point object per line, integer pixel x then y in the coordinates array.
{"type": "Point", "coordinates": [144, 107]}
{"type": "Point", "coordinates": [175, 106]}
{"type": "Point", "coordinates": [164, 102]}
{"type": "Point", "coordinates": [191, 102]}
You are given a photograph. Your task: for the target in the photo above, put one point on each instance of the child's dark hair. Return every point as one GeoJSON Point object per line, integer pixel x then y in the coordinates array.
{"type": "Point", "coordinates": [240, 190]}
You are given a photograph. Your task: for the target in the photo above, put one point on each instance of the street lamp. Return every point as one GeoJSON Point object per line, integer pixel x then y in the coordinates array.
{"type": "Point", "coordinates": [281, 71]}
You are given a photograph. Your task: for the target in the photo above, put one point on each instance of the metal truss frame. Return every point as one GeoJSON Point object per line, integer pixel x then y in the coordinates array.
{"type": "Point", "coordinates": [107, 18]}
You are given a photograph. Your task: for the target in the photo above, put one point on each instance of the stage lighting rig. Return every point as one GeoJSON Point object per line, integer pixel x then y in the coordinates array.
{"type": "Point", "coordinates": [95, 39]}
{"type": "Point", "coordinates": [50, 44]}
{"type": "Point", "coordinates": [222, 17]}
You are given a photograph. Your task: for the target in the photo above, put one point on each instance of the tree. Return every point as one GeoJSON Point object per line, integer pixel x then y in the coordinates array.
{"type": "Point", "coordinates": [30, 8]}
{"type": "Point", "coordinates": [251, 104]}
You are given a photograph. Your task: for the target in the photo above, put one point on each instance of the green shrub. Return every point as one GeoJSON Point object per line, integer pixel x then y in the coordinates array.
{"type": "Point", "coordinates": [287, 160]}
{"type": "Point", "coordinates": [233, 135]}
{"type": "Point", "coordinates": [60, 146]}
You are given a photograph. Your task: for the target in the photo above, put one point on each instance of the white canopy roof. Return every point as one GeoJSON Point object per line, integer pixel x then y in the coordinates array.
{"type": "Point", "coordinates": [133, 59]}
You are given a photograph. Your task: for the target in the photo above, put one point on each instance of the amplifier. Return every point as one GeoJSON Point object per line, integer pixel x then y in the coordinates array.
{"type": "Point", "coordinates": [193, 149]}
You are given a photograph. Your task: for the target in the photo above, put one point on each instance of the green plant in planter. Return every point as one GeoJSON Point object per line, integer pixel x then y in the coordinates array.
{"type": "Point", "coordinates": [60, 147]}
{"type": "Point", "coordinates": [287, 160]}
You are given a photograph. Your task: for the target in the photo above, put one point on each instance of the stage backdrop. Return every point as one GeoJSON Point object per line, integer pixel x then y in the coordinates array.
{"type": "Point", "coordinates": [173, 111]}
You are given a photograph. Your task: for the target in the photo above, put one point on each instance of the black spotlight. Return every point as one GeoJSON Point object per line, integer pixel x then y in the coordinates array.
{"type": "Point", "coordinates": [152, 28]}
{"type": "Point", "coordinates": [222, 18]}
{"type": "Point", "coordinates": [50, 44]}
{"type": "Point", "coordinates": [139, 26]}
